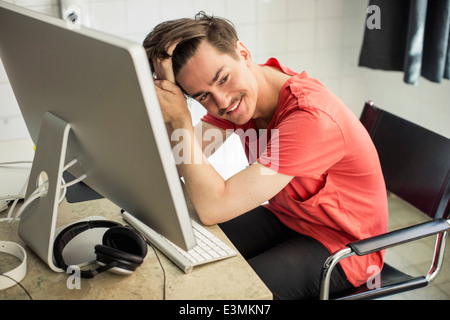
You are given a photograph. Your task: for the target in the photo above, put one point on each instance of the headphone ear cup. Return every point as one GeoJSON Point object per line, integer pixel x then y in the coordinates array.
{"type": "Point", "coordinates": [125, 239]}
{"type": "Point", "coordinates": [124, 246]}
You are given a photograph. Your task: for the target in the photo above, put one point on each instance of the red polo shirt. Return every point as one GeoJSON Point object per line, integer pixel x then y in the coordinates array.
{"type": "Point", "coordinates": [338, 194]}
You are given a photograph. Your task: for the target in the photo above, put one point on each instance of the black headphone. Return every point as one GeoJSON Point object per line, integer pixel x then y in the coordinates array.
{"type": "Point", "coordinates": [123, 249]}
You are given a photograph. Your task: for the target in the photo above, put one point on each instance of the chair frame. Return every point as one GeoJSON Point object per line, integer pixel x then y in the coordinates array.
{"type": "Point", "coordinates": [438, 227]}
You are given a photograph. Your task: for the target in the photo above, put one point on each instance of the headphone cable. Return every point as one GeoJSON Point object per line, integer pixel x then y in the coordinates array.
{"type": "Point", "coordinates": [24, 289]}
{"type": "Point", "coordinates": [162, 268]}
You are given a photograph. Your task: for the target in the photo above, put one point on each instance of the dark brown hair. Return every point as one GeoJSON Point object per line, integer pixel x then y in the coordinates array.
{"type": "Point", "coordinates": [219, 32]}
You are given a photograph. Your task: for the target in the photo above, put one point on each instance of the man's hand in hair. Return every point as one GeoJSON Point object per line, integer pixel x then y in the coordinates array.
{"type": "Point", "coordinates": [163, 68]}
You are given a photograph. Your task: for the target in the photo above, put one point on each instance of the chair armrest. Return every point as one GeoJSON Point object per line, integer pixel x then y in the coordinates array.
{"type": "Point", "coordinates": [378, 243]}
{"type": "Point", "coordinates": [397, 237]}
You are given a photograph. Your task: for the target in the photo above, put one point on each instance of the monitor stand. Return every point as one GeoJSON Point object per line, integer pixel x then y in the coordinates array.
{"type": "Point", "coordinates": [37, 227]}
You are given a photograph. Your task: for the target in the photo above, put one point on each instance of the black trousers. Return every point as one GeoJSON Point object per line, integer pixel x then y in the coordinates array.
{"type": "Point", "coordinates": [288, 263]}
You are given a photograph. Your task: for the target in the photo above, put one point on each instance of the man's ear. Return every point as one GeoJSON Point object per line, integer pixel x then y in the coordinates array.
{"type": "Point", "coordinates": [243, 52]}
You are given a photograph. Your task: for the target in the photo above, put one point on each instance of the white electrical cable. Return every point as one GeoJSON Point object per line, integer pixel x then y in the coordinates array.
{"type": "Point", "coordinates": [10, 197]}
{"type": "Point", "coordinates": [65, 185]}
{"type": "Point", "coordinates": [71, 183]}
{"type": "Point", "coordinates": [70, 164]}
{"type": "Point", "coordinates": [11, 209]}
{"type": "Point", "coordinates": [40, 191]}
{"type": "Point", "coordinates": [68, 184]}
{"type": "Point", "coordinates": [3, 205]}
{"type": "Point", "coordinates": [16, 200]}
{"type": "Point", "coordinates": [17, 274]}
{"type": "Point", "coordinates": [14, 162]}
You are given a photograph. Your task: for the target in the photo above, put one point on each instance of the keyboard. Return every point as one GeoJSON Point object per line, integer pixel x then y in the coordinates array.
{"type": "Point", "coordinates": [208, 247]}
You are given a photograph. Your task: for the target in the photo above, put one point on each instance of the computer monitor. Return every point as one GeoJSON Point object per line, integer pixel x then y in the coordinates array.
{"type": "Point", "coordinates": [90, 96]}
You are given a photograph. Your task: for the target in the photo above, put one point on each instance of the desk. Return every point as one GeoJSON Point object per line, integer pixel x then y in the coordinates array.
{"type": "Point", "coordinates": [230, 279]}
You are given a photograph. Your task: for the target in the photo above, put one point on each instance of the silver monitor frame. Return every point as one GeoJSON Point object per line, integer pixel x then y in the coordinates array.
{"type": "Point", "coordinates": [90, 96]}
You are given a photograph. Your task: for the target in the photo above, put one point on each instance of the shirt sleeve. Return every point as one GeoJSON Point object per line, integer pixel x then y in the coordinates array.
{"type": "Point", "coordinates": [306, 143]}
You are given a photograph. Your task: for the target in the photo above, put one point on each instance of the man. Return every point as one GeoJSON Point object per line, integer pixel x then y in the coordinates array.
{"type": "Point", "coordinates": [318, 169]}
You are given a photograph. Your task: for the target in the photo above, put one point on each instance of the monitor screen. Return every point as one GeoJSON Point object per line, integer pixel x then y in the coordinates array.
{"type": "Point", "coordinates": [89, 96]}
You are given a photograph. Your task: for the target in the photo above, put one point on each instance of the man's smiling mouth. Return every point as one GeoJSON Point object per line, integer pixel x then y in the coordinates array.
{"type": "Point", "coordinates": [235, 107]}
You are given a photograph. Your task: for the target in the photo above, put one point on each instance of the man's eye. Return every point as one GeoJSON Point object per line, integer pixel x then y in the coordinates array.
{"type": "Point", "coordinates": [203, 97]}
{"type": "Point", "coordinates": [224, 79]}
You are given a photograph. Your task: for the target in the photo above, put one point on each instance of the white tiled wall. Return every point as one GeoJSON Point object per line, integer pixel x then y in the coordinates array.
{"type": "Point", "coordinates": [322, 37]}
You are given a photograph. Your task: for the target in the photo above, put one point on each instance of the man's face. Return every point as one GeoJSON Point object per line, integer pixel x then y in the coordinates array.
{"type": "Point", "coordinates": [223, 84]}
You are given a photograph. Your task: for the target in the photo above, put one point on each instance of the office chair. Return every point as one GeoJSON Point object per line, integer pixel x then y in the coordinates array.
{"type": "Point", "coordinates": [416, 168]}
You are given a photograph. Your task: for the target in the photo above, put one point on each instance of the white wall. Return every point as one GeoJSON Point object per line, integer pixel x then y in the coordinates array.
{"type": "Point", "coordinates": [322, 37]}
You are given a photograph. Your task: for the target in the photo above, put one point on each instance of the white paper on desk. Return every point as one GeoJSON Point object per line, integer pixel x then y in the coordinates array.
{"type": "Point", "coordinates": [14, 177]}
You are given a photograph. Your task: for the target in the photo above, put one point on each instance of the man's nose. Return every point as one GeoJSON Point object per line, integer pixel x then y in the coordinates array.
{"type": "Point", "coordinates": [222, 102]}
